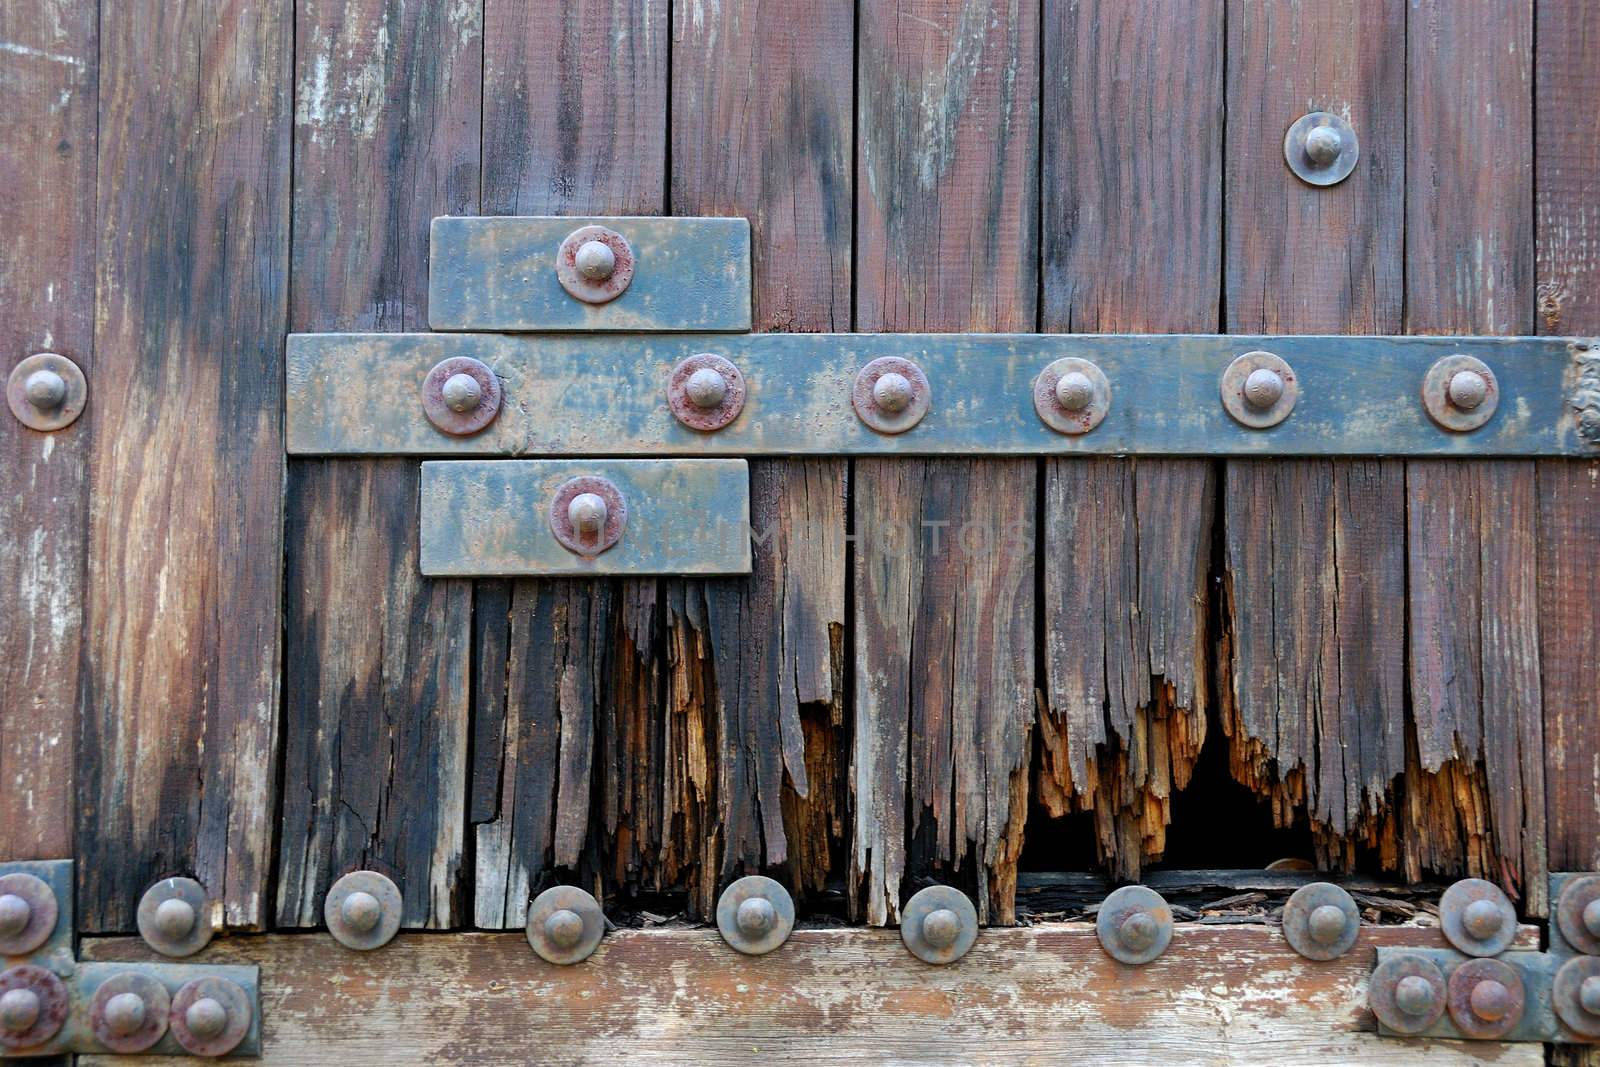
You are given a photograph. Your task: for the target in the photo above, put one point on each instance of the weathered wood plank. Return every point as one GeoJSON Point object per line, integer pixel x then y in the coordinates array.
{"type": "Point", "coordinates": [947, 214]}
{"type": "Point", "coordinates": [500, 274]}
{"type": "Point", "coordinates": [568, 711]}
{"type": "Point", "coordinates": [1127, 545]}
{"type": "Point", "coordinates": [1313, 677]}
{"type": "Point", "coordinates": [178, 751]}
{"type": "Point", "coordinates": [495, 518]}
{"type": "Point", "coordinates": [762, 127]}
{"type": "Point", "coordinates": [48, 96]}
{"type": "Point", "coordinates": [386, 137]}
{"type": "Point", "coordinates": [1473, 633]}
{"type": "Point", "coordinates": [1036, 995]}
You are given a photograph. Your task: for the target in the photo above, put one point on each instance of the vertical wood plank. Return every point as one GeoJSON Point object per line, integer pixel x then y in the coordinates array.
{"type": "Point", "coordinates": [48, 83]}
{"type": "Point", "coordinates": [569, 721]}
{"type": "Point", "coordinates": [947, 239]}
{"type": "Point", "coordinates": [178, 755]}
{"type": "Point", "coordinates": [1132, 162]}
{"type": "Point", "coordinates": [1472, 546]}
{"type": "Point", "coordinates": [1314, 684]}
{"type": "Point", "coordinates": [376, 670]}
{"type": "Point", "coordinates": [762, 127]}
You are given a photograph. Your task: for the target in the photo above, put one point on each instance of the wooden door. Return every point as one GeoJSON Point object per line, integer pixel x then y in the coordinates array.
{"type": "Point", "coordinates": [224, 663]}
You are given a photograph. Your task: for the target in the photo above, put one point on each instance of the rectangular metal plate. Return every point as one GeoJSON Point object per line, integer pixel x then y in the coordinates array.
{"type": "Point", "coordinates": [599, 396]}
{"type": "Point", "coordinates": [500, 274]}
{"type": "Point", "coordinates": [1538, 1023]}
{"type": "Point", "coordinates": [493, 517]}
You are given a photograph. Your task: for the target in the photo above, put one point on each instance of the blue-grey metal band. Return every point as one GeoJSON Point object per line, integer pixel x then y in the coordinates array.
{"type": "Point", "coordinates": [1537, 969]}
{"type": "Point", "coordinates": [572, 395]}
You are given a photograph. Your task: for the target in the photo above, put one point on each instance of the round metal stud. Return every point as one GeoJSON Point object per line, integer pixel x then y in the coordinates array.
{"type": "Point", "coordinates": [939, 924]}
{"type": "Point", "coordinates": [594, 264]}
{"type": "Point", "coordinates": [1259, 390]}
{"type": "Point", "coordinates": [755, 915]}
{"type": "Point", "coordinates": [1477, 918]}
{"type": "Point", "coordinates": [706, 392]}
{"type": "Point", "coordinates": [589, 526]}
{"type": "Point", "coordinates": [1486, 999]}
{"type": "Point", "coordinates": [129, 1012]}
{"type": "Point", "coordinates": [33, 1006]}
{"type": "Point", "coordinates": [1072, 396]}
{"type": "Point", "coordinates": [47, 391]}
{"type": "Point", "coordinates": [1407, 993]}
{"type": "Point", "coordinates": [1321, 148]}
{"type": "Point", "coordinates": [1578, 913]}
{"type": "Point", "coordinates": [173, 917]}
{"type": "Point", "coordinates": [363, 910]}
{"type": "Point", "coordinates": [1460, 393]}
{"type": "Point", "coordinates": [210, 1016]}
{"type": "Point", "coordinates": [27, 913]}
{"type": "Point", "coordinates": [461, 396]}
{"type": "Point", "coordinates": [902, 400]}
{"type": "Point", "coordinates": [565, 924]}
{"type": "Point", "coordinates": [1134, 924]}
{"type": "Point", "coordinates": [1321, 921]}
{"type": "Point", "coordinates": [1576, 995]}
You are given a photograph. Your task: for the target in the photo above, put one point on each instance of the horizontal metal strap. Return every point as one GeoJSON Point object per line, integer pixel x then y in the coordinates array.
{"type": "Point", "coordinates": [607, 395]}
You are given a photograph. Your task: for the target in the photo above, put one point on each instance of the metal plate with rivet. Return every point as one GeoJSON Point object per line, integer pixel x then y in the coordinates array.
{"type": "Point", "coordinates": [755, 915]}
{"type": "Point", "coordinates": [33, 1006]}
{"type": "Point", "coordinates": [362, 910]}
{"type": "Point", "coordinates": [939, 924]}
{"type": "Point", "coordinates": [1134, 924]}
{"type": "Point", "coordinates": [706, 392]}
{"type": "Point", "coordinates": [1259, 389]}
{"type": "Point", "coordinates": [129, 1012]}
{"type": "Point", "coordinates": [891, 395]}
{"type": "Point", "coordinates": [1321, 148]}
{"type": "Point", "coordinates": [589, 395]}
{"type": "Point", "coordinates": [1575, 994]}
{"type": "Point", "coordinates": [1407, 993]}
{"type": "Point", "coordinates": [28, 913]}
{"type": "Point", "coordinates": [565, 925]}
{"type": "Point", "coordinates": [1486, 998]}
{"type": "Point", "coordinates": [1578, 913]}
{"type": "Point", "coordinates": [47, 391]}
{"type": "Point", "coordinates": [1072, 395]}
{"type": "Point", "coordinates": [1477, 917]}
{"type": "Point", "coordinates": [517, 517]}
{"type": "Point", "coordinates": [174, 918]}
{"type": "Point", "coordinates": [1460, 393]}
{"type": "Point", "coordinates": [460, 396]}
{"type": "Point", "coordinates": [210, 1016]}
{"type": "Point", "coordinates": [506, 273]}
{"type": "Point", "coordinates": [1321, 921]}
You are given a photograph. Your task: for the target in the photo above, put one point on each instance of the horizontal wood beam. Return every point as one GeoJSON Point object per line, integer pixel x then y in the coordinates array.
{"type": "Point", "coordinates": [1234, 994]}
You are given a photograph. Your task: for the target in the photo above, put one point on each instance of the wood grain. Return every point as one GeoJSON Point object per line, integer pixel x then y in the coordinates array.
{"type": "Point", "coordinates": [1313, 664]}
{"type": "Point", "coordinates": [48, 109]}
{"type": "Point", "coordinates": [1127, 544]}
{"type": "Point", "coordinates": [1473, 625]}
{"type": "Point", "coordinates": [947, 239]}
{"type": "Point", "coordinates": [178, 751]}
{"type": "Point", "coordinates": [1042, 994]}
{"type": "Point", "coordinates": [762, 127]}
{"type": "Point", "coordinates": [386, 137]}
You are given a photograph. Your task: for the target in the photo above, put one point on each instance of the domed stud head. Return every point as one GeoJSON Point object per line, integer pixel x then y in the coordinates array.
{"type": "Point", "coordinates": [891, 395]}
{"type": "Point", "coordinates": [1414, 995]}
{"type": "Point", "coordinates": [173, 917]}
{"type": "Point", "coordinates": [1589, 995]}
{"type": "Point", "coordinates": [1591, 917]}
{"type": "Point", "coordinates": [707, 388]}
{"type": "Point", "coordinates": [19, 1010]}
{"type": "Point", "coordinates": [461, 396]}
{"type": "Point", "coordinates": [1074, 390]}
{"type": "Point", "coordinates": [595, 260]}
{"type": "Point", "coordinates": [1323, 145]}
{"type": "Point", "coordinates": [1575, 994]}
{"type": "Point", "coordinates": [1477, 918]}
{"type": "Point", "coordinates": [129, 1012]}
{"type": "Point", "coordinates": [1321, 921]}
{"type": "Point", "coordinates": [1259, 390]}
{"type": "Point", "coordinates": [1321, 148]}
{"type": "Point", "coordinates": [27, 913]}
{"type": "Point", "coordinates": [1071, 396]}
{"type": "Point", "coordinates": [1487, 998]}
{"type": "Point", "coordinates": [706, 392]}
{"type": "Point", "coordinates": [1406, 992]}
{"type": "Point", "coordinates": [939, 924]}
{"type": "Point", "coordinates": [755, 915]}
{"type": "Point", "coordinates": [565, 925]}
{"type": "Point", "coordinates": [892, 392]}
{"type": "Point", "coordinates": [461, 393]}
{"type": "Point", "coordinates": [588, 515]}
{"type": "Point", "coordinates": [206, 1018]}
{"type": "Point", "coordinates": [1467, 389]}
{"type": "Point", "coordinates": [1490, 1000]}
{"type": "Point", "coordinates": [1576, 913]}
{"type": "Point", "coordinates": [594, 264]}
{"type": "Point", "coordinates": [1460, 393]}
{"type": "Point", "coordinates": [14, 915]}
{"type": "Point", "coordinates": [45, 389]}
{"type": "Point", "coordinates": [1326, 925]}
{"type": "Point", "coordinates": [1482, 919]}
{"type": "Point", "coordinates": [1134, 924]}
{"type": "Point", "coordinates": [1263, 388]}
{"type": "Point", "coordinates": [363, 910]}
{"type": "Point", "coordinates": [587, 511]}
{"type": "Point", "coordinates": [34, 1004]}
{"type": "Point", "coordinates": [210, 1016]}
{"type": "Point", "coordinates": [125, 1013]}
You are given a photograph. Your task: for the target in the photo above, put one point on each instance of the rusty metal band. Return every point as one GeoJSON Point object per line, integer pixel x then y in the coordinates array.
{"type": "Point", "coordinates": [600, 395]}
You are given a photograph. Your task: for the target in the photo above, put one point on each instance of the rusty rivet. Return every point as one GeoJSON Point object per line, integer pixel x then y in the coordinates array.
{"type": "Point", "coordinates": [1321, 148]}
{"type": "Point", "coordinates": [1487, 998]}
{"type": "Point", "coordinates": [1259, 390]}
{"type": "Point", "coordinates": [565, 925]}
{"type": "Point", "coordinates": [755, 915]}
{"type": "Point", "coordinates": [1074, 390]}
{"type": "Point", "coordinates": [172, 917]}
{"type": "Point", "coordinates": [706, 388]}
{"type": "Point", "coordinates": [1071, 396]}
{"type": "Point", "coordinates": [941, 927]}
{"type": "Point", "coordinates": [129, 1012]}
{"type": "Point", "coordinates": [47, 391]}
{"type": "Point", "coordinates": [27, 913]}
{"type": "Point", "coordinates": [1263, 388]}
{"type": "Point", "coordinates": [939, 924]}
{"type": "Point", "coordinates": [34, 1004]}
{"type": "Point", "coordinates": [1134, 924]}
{"type": "Point", "coordinates": [1589, 994]}
{"type": "Point", "coordinates": [1490, 1000]}
{"type": "Point", "coordinates": [206, 1017]}
{"type": "Point", "coordinates": [595, 260]}
{"type": "Point", "coordinates": [14, 915]}
{"type": "Point", "coordinates": [706, 392]}
{"type": "Point", "coordinates": [1323, 145]}
{"type": "Point", "coordinates": [1321, 921]}
{"type": "Point", "coordinates": [594, 264]}
{"type": "Point", "coordinates": [1577, 913]}
{"type": "Point", "coordinates": [1467, 389]}
{"type": "Point", "coordinates": [892, 392]}
{"type": "Point", "coordinates": [1575, 993]}
{"type": "Point", "coordinates": [1460, 393]}
{"type": "Point", "coordinates": [363, 910]}
{"type": "Point", "coordinates": [125, 1013]}
{"type": "Point", "coordinates": [19, 1010]}
{"type": "Point", "coordinates": [1327, 924]}
{"type": "Point", "coordinates": [210, 1016]}
{"type": "Point", "coordinates": [1477, 917]}
{"type": "Point", "coordinates": [461, 395]}
{"type": "Point", "coordinates": [1482, 919]}
{"type": "Point", "coordinates": [1414, 995]}
{"type": "Point", "coordinates": [1406, 992]}
{"type": "Point", "coordinates": [588, 514]}
{"type": "Point", "coordinates": [891, 395]}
